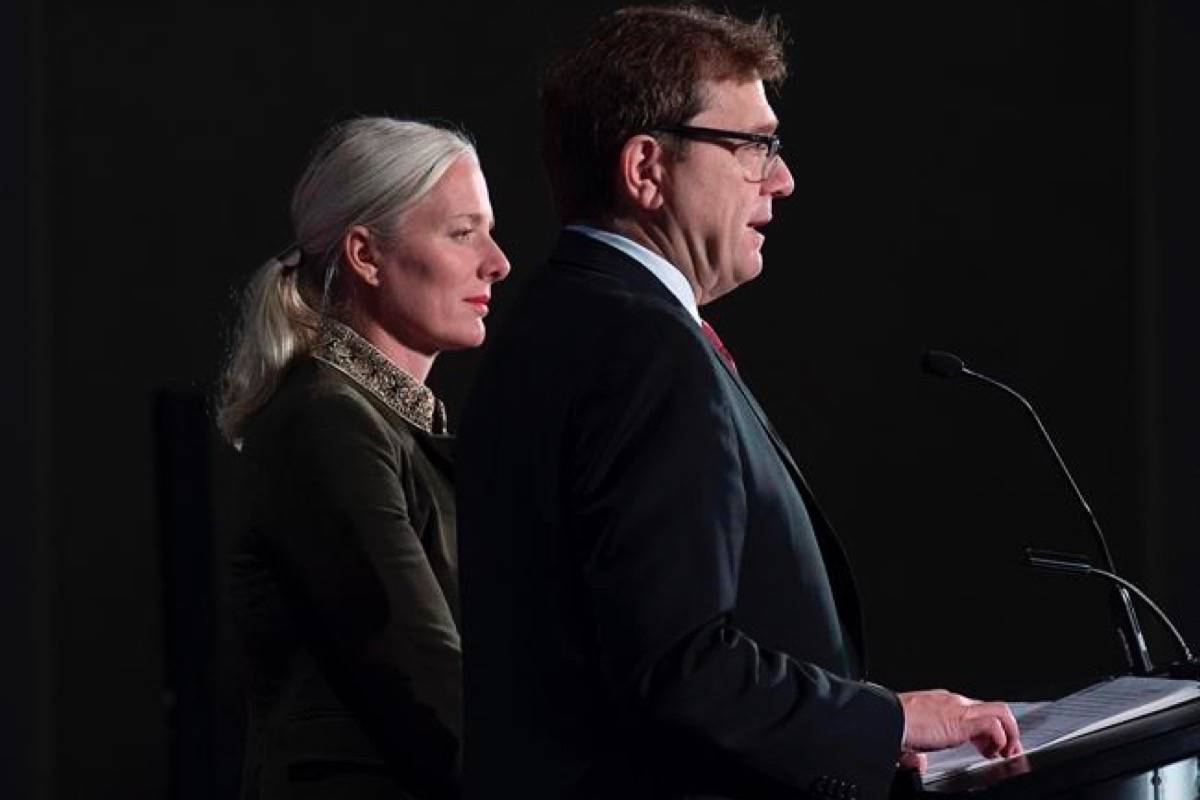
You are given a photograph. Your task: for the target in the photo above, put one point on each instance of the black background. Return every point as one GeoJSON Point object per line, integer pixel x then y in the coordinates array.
{"type": "Point", "coordinates": [1015, 181]}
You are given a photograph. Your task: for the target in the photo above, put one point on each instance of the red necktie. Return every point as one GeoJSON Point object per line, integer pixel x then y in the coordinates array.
{"type": "Point", "coordinates": [712, 337]}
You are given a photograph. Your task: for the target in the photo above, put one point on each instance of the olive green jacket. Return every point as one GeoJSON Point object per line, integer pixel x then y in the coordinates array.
{"type": "Point", "coordinates": [344, 581]}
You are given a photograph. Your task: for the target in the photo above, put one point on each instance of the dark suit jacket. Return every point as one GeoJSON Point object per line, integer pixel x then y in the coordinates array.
{"type": "Point", "coordinates": [653, 605]}
{"type": "Point", "coordinates": [345, 587]}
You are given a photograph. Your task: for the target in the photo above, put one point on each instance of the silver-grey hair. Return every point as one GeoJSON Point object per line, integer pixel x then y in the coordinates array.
{"type": "Point", "coordinates": [366, 171]}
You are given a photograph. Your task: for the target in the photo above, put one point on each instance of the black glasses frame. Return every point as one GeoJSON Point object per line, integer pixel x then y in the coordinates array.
{"type": "Point", "coordinates": [772, 142]}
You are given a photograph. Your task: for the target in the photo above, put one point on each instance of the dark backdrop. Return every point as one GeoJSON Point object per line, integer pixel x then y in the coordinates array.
{"type": "Point", "coordinates": [1012, 180]}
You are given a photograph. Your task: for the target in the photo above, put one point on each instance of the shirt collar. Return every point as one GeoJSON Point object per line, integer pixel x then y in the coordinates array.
{"type": "Point", "coordinates": [658, 266]}
{"type": "Point", "coordinates": [345, 350]}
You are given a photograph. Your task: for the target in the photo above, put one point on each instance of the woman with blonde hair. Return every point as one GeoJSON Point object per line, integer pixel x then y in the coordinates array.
{"type": "Point", "coordinates": [344, 573]}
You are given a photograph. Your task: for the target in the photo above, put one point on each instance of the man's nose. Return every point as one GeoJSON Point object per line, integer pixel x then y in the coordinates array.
{"type": "Point", "coordinates": [779, 182]}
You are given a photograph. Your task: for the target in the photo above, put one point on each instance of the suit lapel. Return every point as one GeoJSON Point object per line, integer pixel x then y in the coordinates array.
{"type": "Point", "coordinates": [831, 546]}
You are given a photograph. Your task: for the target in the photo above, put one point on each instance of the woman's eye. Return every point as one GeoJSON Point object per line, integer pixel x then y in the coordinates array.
{"type": "Point", "coordinates": [462, 234]}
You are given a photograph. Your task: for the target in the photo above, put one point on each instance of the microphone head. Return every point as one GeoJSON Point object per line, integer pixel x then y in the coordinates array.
{"type": "Point", "coordinates": [1058, 562]}
{"type": "Point", "coordinates": [942, 364]}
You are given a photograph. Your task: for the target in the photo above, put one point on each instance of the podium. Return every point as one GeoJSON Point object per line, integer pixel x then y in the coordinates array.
{"type": "Point", "coordinates": [1150, 758]}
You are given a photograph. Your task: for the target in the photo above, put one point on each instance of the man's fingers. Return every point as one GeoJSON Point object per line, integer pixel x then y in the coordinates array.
{"type": "Point", "coordinates": [1008, 741]}
{"type": "Point", "coordinates": [987, 734]}
{"type": "Point", "coordinates": [911, 760]}
{"type": "Point", "coordinates": [1011, 731]}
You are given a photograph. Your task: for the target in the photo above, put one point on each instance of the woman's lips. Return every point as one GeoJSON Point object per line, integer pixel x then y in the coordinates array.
{"type": "Point", "coordinates": [479, 301]}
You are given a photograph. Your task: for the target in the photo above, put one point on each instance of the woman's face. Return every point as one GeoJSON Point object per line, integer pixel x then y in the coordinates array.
{"type": "Point", "coordinates": [436, 272]}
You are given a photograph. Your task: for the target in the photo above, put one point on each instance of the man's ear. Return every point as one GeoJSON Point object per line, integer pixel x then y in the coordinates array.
{"type": "Point", "coordinates": [640, 172]}
{"type": "Point", "coordinates": [361, 255]}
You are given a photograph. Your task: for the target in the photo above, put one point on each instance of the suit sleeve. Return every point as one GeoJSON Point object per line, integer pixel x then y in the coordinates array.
{"type": "Point", "coordinates": [379, 620]}
{"type": "Point", "coordinates": [661, 515]}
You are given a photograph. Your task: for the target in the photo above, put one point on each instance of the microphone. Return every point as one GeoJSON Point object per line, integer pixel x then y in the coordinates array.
{"type": "Point", "coordinates": [942, 364]}
{"type": "Point", "coordinates": [1057, 562]}
{"type": "Point", "coordinates": [1079, 565]}
{"type": "Point", "coordinates": [947, 365]}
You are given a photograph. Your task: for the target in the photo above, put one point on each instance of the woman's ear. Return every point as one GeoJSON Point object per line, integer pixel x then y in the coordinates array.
{"type": "Point", "coordinates": [640, 169]}
{"type": "Point", "coordinates": [361, 255]}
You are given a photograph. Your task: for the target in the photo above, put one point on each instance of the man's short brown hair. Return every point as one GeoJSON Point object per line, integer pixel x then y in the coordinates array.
{"type": "Point", "coordinates": [641, 68]}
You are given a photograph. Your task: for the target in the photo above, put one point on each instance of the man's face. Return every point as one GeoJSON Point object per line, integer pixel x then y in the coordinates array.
{"type": "Point", "coordinates": [715, 201]}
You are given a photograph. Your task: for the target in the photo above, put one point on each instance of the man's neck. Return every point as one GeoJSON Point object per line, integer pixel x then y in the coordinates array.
{"type": "Point", "coordinates": [654, 240]}
{"type": "Point", "coordinates": [663, 270]}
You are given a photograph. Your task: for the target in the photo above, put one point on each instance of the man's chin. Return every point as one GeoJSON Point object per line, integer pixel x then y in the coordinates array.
{"type": "Point", "coordinates": [733, 281]}
{"type": "Point", "coordinates": [749, 269]}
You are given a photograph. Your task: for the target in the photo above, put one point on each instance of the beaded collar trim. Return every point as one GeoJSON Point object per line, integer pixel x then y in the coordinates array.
{"type": "Point", "coordinates": [343, 349]}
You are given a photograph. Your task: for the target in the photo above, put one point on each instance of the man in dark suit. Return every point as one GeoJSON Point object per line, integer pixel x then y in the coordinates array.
{"type": "Point", "coordinates": [653, 603]}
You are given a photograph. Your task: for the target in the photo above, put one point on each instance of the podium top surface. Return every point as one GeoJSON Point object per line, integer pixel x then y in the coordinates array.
{"type": "Point", "coordinates": [1129, 748]}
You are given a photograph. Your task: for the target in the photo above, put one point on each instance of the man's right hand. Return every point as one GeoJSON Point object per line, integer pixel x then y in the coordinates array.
{"type": "Point", "coordinates": [937, 719]}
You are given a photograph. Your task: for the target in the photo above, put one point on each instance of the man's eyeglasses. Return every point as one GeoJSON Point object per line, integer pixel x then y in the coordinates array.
{"type": "Point", "coordinates": [764, 147]}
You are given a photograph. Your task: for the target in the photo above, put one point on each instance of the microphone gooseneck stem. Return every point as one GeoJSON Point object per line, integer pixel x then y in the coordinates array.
{"type": "Point", "coordinates": [1128, 625]}
{"type": "Point", "coordinates": [1187, 653]}
{"type": "Point", "coordinates": [1078, 565]}
{"type": "Point", "coordinates": [1062, 465]}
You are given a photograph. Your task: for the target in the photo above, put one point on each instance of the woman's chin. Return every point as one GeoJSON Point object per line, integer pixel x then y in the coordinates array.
{"type": "Point", "coordinates": [466, 339]}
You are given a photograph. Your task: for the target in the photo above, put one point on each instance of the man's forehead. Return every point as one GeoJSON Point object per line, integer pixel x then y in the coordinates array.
{"type": "Point", "coordinates": [737, 101]}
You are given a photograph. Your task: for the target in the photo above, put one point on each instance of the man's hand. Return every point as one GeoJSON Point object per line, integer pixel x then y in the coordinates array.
{"type": "Point", "coordinates": [937, 719]}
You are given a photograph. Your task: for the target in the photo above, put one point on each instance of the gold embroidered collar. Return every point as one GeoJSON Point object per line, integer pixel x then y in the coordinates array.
{"type": "Point", "coordinates": [343, 349]}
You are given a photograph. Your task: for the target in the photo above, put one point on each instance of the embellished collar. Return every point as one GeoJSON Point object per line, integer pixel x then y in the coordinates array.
{"type": "Point", "coordinates": [349, 353]}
